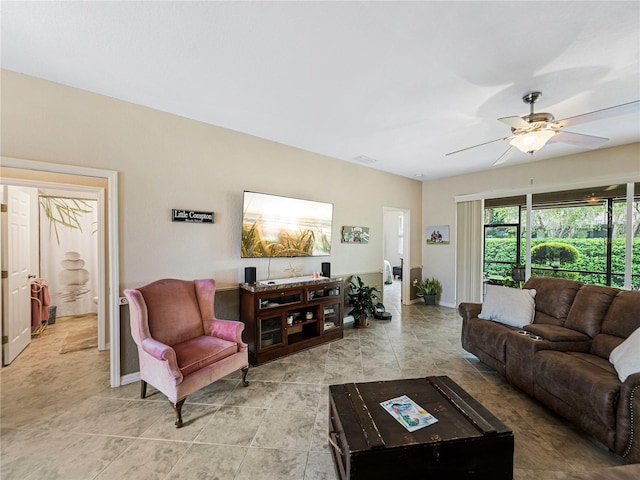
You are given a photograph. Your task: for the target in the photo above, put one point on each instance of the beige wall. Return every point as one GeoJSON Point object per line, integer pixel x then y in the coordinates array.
{"type": "Point", "coordinates": [591, 168]}
{"type": "Point", "coordinates": [165, 161]}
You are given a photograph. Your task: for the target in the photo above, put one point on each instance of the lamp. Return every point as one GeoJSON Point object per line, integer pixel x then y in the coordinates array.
{"type": "Point", "coordinates": [532, 141]}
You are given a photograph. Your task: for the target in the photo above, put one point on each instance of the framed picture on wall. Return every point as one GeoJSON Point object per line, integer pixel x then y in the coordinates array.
{"type": "Point", "coordinates": [355, 235]}
{"type": "Point", "coordinates": [438, 235]}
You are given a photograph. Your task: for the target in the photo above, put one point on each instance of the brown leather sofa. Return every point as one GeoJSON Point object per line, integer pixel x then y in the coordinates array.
{"type": "Point", "coordinates": [562, 358]}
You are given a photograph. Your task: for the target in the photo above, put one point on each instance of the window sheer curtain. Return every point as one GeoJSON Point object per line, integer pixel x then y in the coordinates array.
{"type": "Point", "coordinates": [469, 241]}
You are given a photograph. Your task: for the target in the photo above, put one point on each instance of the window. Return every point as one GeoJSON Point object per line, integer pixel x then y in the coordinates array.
{"type": "Point", "coordinates": [502, 234]}
{"type": "Point", "coordinates": [618, 242]}
{"type": "Point", "coordinates": [579, 234]}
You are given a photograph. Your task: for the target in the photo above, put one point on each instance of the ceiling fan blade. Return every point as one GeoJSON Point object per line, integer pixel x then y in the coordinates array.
{"type": "Point", "coordinates": [479, 145]}
{"type": "Point", "coordinates": [505, 156]}
{"type": "Point", "coordinates": [624, 109]}
{"type": "Point", "coordinates": [515, 122]}
{"type": "Point", "coordinates": [579, 139]}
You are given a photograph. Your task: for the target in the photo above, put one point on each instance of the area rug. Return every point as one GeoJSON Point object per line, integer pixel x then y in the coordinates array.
{"type": "Point", "coordinates": [81, 337]}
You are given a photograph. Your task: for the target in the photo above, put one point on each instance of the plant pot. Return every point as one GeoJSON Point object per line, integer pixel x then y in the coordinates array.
{"type": "Point", "coordinates": [518, 274]}
{"type": "Point", "coordinates": [429, 299]}
{"type": "Point", "coordinates": [361, 322]}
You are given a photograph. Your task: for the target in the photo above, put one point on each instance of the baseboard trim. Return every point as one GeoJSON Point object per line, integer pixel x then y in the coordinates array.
{"type": "Point", "coordinates": [130, 378]}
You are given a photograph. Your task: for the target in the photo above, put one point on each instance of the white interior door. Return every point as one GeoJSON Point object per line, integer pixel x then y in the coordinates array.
{"type": "Point", "coordinates": [17, 294]}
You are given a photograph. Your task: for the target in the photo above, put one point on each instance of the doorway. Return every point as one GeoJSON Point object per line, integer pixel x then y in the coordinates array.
{"type": "Point", "coordinates": [396, 258]}
{"type": "Point", "coordinates": [103, 184]}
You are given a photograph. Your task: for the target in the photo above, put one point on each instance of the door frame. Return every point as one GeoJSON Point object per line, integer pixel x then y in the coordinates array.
{"type": "Point", "coordinates": [111, 283]}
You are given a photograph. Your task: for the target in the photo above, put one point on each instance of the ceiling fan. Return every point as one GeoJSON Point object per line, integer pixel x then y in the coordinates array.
{"type": "Point", "coordinates": [530, 133]}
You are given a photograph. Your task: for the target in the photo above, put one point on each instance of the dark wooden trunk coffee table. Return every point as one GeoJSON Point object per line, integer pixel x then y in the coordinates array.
{"type": "Point", "coordinates": [467, 442]}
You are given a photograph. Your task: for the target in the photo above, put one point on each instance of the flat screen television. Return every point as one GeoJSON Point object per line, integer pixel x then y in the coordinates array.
{"type": "Point", "coordinates": [277, 226]}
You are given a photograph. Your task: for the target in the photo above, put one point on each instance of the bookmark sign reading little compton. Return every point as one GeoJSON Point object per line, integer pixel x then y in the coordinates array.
{"type": "Point", "coordinates": [191, 216]}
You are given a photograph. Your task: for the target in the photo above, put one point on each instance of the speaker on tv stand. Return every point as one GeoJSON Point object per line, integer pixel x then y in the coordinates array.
{"type": "Point", "coordinates": [326, 269]}
{"type": "Point", "coordinates": [250, 275]}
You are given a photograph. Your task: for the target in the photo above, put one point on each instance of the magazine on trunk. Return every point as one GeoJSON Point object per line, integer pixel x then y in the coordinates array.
{"type": "Point", "coordinates": [410, 415]}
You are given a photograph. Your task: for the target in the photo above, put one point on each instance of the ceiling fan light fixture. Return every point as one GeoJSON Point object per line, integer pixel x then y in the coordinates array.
{"type": "Point", "coordinates": [532, 141]}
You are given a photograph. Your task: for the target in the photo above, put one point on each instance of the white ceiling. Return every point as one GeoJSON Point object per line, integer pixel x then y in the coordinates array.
{"type": "Point", "coordinates": [402, 83]}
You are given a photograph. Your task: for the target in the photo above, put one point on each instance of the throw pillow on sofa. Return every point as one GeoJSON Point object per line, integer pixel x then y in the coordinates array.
{"type": "Point", "coordinates": [511, 306]}
{"type": "Point", "coordinates": [626, 356]}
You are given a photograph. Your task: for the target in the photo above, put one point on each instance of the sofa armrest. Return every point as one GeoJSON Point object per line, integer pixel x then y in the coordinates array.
{"type": "Point", "coordinates": [556, 333]}
{"type": "Point", "coordinates": [468, 310]}
{"type": "Point", "coordinates": [628, 420]}
{"type": "Point", "coordinates": [230, 330]}
{"type": "Point", "coordinates": [162, 352]}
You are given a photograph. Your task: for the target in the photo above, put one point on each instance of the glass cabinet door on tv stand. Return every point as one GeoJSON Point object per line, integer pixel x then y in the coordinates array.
{"type": "Point", "coordinates": [284, 319]}
{"type": "Point", "coordinates": [270, 332]}
{"type": "Point", "coordinates": [332, 318]}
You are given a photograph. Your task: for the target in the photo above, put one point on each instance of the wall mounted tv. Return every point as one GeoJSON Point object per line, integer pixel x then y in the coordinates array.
{"type": "Point", "coordinates": [277, 226]}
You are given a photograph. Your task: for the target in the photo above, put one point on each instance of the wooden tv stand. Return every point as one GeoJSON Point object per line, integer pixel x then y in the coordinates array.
{"type": "Point", "coordinates": [316, 306]}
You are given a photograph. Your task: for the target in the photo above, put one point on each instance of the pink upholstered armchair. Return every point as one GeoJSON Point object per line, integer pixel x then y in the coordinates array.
{"type": "Point", "coordinates": [182, 347]}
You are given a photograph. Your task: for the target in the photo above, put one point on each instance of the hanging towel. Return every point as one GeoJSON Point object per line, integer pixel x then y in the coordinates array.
{"type": "Point", "coordinates": [40, 302]}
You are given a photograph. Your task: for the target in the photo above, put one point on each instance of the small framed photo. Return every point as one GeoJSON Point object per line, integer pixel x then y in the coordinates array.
{"type": "Point", "coordinates": [438, 235]}
{"type": "Point", "coordinates": [355, 235]}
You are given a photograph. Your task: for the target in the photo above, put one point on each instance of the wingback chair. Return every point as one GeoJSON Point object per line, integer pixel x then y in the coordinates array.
{"type": "Point", "coordinates": [182, 346]}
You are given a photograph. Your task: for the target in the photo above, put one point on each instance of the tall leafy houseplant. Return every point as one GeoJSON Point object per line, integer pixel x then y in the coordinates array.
{"type": "Point", "coordinates": [364, 300]}
{"type": "Point", "coordinates": [428, 289]}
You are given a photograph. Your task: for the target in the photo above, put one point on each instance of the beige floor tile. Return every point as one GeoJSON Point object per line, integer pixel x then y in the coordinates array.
{"type": "Point", "coordinates": [285, 430]}
{"type": "Point", "coordinates": [320, 467]}
{"type": "Point", "coordinates": [208, 462]}
{"type": "Point", "coordinates": [270, 464]}
{"type": "Point", "coordinates": [145, 459]}
{"type": "Point", "coordinates": [195, 418]}
{"type": "Point", "coordinates": [232, 426]}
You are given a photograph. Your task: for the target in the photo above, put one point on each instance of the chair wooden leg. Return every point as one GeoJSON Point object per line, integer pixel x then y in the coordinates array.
{"type": "Point", "coordinates": [143, 389]}
{"type": "Point", "coordinates": [245, 370]}
{"type": "Point", "coordinates": [178, 408]}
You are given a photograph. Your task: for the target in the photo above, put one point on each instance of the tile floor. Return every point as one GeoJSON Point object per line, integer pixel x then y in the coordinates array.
{"type": "Point", "coordinates": [60, 419]}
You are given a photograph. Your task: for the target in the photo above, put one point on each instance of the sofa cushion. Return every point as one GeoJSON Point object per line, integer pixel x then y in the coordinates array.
{"type": "Point", "coordinates": [604, 344]}
{"type": "Point", "coordinates": [174, 321]}
{"type": "Point", "coordinates": [589, 308]}
{"type": "Point", "coordinates": [553, 298]}
{"type": "Point", "coordinates": [510, 306]}
{"type": "Point", "coordinates": [621, 320]}
{"type": "Point", "coordinates": [586, 383]}
{"type": "Point", "coordinates": [626, 356]}
{"type": "Point", "coordinates": [199, 352]}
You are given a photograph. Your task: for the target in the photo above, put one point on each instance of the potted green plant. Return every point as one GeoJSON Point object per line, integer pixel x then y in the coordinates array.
{"type": "Point", "coordinates": [518, 272]}
{"type": "Point", "coordinates": [364, 300]}
{"type": "Point", "coordinates": [428, 289]}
